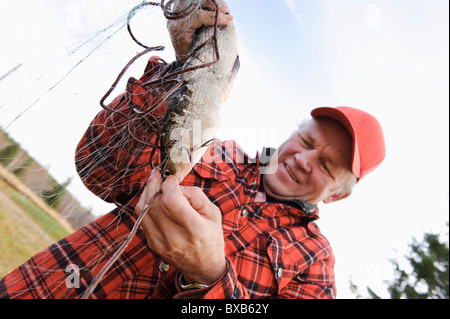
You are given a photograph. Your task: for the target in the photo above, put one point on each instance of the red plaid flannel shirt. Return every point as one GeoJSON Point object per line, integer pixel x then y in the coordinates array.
{"type": "Point", "coordinates": [273, 250]}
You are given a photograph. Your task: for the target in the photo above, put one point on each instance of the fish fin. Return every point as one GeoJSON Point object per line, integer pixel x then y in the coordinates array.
{"type": "Point", "coordinates": [207, 143]}
{"type": "Point", "coordinates": [235, 70]}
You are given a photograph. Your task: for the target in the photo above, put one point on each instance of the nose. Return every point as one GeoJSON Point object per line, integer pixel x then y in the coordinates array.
{"type": "Point", "coordinates": [305, 159]}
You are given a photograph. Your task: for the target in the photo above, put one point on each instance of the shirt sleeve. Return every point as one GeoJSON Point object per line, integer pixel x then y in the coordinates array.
{"type": "Point", "coordinates": [116, 154]}
{"type": "Point", "coordinates": [59, 271]}
{"type": "Point", "coordinates": [227, 287]}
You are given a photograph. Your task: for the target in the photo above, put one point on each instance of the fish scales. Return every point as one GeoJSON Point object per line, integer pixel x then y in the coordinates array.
{"type": "Point", "coordinates": [194, 110]}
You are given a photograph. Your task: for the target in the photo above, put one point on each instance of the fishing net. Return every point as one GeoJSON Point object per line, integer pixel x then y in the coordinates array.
{"type": "Point", "coordinates": [46, 104]}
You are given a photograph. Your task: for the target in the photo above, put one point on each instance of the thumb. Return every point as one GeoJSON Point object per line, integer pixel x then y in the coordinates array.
{"type": "Point", "coordinates": [152, 187]}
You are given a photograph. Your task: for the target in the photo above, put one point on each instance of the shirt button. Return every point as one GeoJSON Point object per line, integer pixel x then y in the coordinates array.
{"type": "Point", "coordinates": [280, 272]}
{"type": "Point", "coordinates": [245, 213]}
{"type": "Point", "coordinates": [164, 267]}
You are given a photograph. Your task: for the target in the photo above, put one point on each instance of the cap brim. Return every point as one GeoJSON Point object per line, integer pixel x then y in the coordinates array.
{"type": "Point", "coordinates": [339, 116]}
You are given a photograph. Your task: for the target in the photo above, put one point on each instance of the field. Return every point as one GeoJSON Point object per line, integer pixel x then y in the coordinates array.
{"type": "Point", "coordinates": [25, 228]}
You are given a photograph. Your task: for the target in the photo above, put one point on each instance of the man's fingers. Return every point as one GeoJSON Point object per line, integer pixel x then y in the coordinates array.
{"type": "Point", "coordinates": [175, 207]}
{"type": "Point", "coordinates": [182, 31]}
{"type": "Point", "coordinates": [205, 17]}
{"type": "Point", "coordinates": [187, 204]}
{"type": "Point", "coordinates": [152, 187]}
{"type": "Point", "coordinates": [223, 7]}
{"type": "Point", "coordinates": [157, 224]}
{"type": "Point", "coordinates": [175, 203]}
{"type": "Point", "coordinates": [201, 203]}
{"type": "Point", "coordinates": [179, 31]}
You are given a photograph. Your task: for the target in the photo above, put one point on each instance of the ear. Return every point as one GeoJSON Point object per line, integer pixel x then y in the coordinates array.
{"type": "Point", "coordinates": [335, 197]}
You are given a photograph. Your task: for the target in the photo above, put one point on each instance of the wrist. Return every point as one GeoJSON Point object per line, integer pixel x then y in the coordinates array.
{"type": "Point", "coordinates": [186, 285]}
{"type": "Point", "coordinates": [207, 278]}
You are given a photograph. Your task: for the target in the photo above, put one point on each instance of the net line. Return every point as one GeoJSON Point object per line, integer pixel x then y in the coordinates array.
{"type": "Point", "coordinates": [114, 28]}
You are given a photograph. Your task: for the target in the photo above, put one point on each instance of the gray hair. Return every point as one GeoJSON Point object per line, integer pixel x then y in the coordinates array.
{"type": "Point", "coordinates": [347, 186]}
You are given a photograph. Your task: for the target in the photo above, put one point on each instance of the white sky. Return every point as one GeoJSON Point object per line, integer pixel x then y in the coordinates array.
{"type": "Point", "coordinates": [389, 58]}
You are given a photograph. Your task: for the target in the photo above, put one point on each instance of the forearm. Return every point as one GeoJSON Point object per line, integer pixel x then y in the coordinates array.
{"type": "Point", "coordinates": [113, 157]}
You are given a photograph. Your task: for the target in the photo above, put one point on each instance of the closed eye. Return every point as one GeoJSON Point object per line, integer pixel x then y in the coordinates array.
{"type": "Point", "coordinates": [327, 170]}
{"type": "Point", "coordinates": [306, 143]}
{"type": "Point", "coordinates": [325, 167]}
{"type": "Point", "coordinates": [324, 163]}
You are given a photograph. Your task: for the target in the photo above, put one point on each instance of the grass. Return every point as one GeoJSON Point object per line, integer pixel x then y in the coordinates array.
{"type": "Point", "coordinates": [51, 226]}
{"type": "Point", "coordinates": [24, 233]}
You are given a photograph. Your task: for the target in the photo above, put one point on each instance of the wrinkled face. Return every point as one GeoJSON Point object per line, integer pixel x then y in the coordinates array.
{"type": "Point", "coordinates": [312, 163]}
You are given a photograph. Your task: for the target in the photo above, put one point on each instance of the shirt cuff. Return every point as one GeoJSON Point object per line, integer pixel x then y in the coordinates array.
{"type": "Point", "coordinates": [199, 293]}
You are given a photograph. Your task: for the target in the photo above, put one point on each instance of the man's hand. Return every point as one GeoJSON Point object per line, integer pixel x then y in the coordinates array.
{"type": "Point", "coordinates": [185, 228]}
{"type": "Point", "coordinates": [182, 31]}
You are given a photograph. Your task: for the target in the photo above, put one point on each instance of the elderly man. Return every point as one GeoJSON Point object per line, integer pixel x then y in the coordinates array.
{"type": "Point", "coordinates": [235, 227]}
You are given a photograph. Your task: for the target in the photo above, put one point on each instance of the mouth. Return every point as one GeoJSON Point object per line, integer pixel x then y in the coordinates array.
{"type": "Point", "coordinates": [291, 174]}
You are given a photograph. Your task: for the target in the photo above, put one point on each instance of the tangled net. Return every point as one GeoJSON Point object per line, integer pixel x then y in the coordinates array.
{"type": "Point", "coordinates": [168, 81]}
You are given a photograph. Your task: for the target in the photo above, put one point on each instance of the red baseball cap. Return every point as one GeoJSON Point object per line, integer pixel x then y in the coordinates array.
{"type": "Point", "coordinates": [368, 140]}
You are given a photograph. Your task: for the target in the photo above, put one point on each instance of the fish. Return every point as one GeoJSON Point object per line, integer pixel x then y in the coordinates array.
{"type": "Point", "coordinates": [195, 109]}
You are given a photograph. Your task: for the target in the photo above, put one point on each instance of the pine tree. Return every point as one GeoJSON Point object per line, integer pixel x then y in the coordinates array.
{"type": "Point", "coordinates": [54, 195]}
{"type": "Point", "coordinates": [428, 274]}
{"type": "Point", "coordinates": [429, 261]}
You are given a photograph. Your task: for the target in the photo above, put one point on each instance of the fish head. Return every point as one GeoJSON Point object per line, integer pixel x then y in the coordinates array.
{"type": "Point", "coordinates": [178, 163]}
